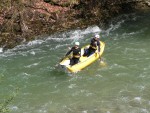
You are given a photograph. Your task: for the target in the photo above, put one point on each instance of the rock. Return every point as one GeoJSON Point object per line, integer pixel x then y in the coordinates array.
{"type": "Point", "coordinates": [26, 19]}
{"type": "Point", "coordinates": [17, 28]}
{"type": "Point", "coordinates": [47, 1]}
{"type": "Point", "coordinates": [148, 3]}
{"type": "Point", "coordinates": [17, 18]}
{"type": "Point", "coordinates": [8, 15]}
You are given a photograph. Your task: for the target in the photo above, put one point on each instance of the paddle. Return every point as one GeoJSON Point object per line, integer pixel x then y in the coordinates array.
{"type": "Point", "coordinates": [66, 56]}
{"type": "Point", "coordinates": [101, 60]}
{"type": "Point", "coordinates": [62, 60]}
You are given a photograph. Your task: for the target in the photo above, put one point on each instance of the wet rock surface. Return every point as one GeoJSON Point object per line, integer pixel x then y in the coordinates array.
{"type": "Point", "coordinates": [24, 20]}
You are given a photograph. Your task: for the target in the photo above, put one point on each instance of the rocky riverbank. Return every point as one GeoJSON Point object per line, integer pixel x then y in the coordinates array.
{"type": "Point", "coordinates": [25, 20]}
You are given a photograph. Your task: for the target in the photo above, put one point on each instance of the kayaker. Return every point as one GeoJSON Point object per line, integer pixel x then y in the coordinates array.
{"type": "Point", "coordinates": [93, 46]}
{"type": "Point", "coordinates": [76, 54]}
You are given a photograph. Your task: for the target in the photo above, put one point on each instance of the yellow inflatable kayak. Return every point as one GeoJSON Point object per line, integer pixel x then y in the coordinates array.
{"type": "Point", "coordinates": [84, 61]}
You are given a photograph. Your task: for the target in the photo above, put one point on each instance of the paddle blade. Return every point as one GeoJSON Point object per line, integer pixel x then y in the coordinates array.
{"type": "Point", "coordinates": [102, 63]}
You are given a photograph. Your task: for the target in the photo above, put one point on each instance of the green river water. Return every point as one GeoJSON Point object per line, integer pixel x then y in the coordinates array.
{"type": "Point", "coordinates": [122, 85]}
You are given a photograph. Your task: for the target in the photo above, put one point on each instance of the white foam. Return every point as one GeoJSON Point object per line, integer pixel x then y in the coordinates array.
{"type": "Point", "coordinates": [25, 74]}
{"type": "Point", "coordinates": [72, 86]}
{"type": "Point", "coordinates": [137, 99]}
{"type": "Point", "coordinates": [85, 111]}
{"type": "Point", "coordinates": [108, 112]}
{"type": "Point", "coordinates": [125, 99]}
{"type": "Point", "coordinates": [42, 111]}
{"type": "Point", "coordinates": [76, 35]}
{"type": "Point", "coordinates": [144, 111]}
{"type": "Point", "coordinates": [57, 39]}
{"type": "Point", "coordinates": [14, 108]}
{"type": "Point", "coordinates": [1, 50]}
{"type": "Point", "coordinates": [32, 53]}
{"type": "Point", "coordinates": [114, 27]}
{"type": "Point", "coordinates": [73, 35]}
{"type": "Point", "coordinates": [94, 29]}
{"type": "Point", "coordinates": [141, 87]}
{"type": "Point", "coordinates": [35, 64]}
{"type": "Point", "coordinates": [35, 42]}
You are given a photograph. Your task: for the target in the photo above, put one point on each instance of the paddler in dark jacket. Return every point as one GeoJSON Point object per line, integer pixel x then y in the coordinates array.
{"type": "Point", "coordinates": [93, 46]}
{"type": "Point", "coordinates": [76, 54]}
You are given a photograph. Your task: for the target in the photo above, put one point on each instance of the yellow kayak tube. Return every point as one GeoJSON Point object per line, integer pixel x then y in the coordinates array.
{"type": "Point", "coordinates": [84, 60]}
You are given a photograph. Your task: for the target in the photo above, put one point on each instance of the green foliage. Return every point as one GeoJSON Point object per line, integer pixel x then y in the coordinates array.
{"type": "Point", "coordinates": [4, 105]}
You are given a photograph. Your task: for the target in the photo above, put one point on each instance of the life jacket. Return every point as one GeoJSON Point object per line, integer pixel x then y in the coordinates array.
{"type": "Point", "coordinates": [76, 52]}
{"type": "Point", "coordinates": [93, 44]}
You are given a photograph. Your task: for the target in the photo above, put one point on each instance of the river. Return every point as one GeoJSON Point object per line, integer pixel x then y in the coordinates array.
{"type": "Point", "coordinates": [120, 85]}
